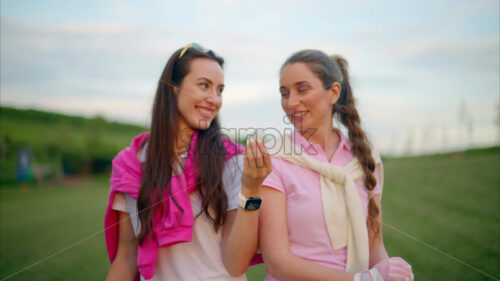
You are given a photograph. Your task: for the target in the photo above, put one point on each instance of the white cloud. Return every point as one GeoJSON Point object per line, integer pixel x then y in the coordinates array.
{"type": "Point", "coordinates": [404, 75]}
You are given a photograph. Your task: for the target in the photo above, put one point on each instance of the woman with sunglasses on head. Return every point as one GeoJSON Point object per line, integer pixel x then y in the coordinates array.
{"type": "Point", "coordinates": [322, 216]}
{"type": "Point", "coordinates": [180, 207]}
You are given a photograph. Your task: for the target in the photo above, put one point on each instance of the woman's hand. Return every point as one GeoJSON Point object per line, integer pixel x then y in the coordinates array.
{"type": "Point", "coordinates": [241, 228]}
{"type": "Point", "coordinates": [257, 165]}
{"type": "Point", "coordinates": [391, 269]}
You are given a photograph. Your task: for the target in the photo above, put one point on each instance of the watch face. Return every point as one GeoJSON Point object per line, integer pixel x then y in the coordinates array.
{"type": "Point", "coordinates": [253, 203]}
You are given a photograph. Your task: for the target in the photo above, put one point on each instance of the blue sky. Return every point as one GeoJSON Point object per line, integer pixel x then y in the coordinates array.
{"type": "Point", "coordinates": [414, 64]}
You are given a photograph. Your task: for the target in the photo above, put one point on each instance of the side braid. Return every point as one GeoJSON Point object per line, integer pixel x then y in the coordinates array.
{"type": "Point", "coordinates": [346, 112]}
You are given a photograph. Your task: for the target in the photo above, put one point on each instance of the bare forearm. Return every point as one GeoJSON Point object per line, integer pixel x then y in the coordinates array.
{"type": "Point", "coordinates": [377, 253]}
{"type": "Point", "coordinates": [124, 267]}
{"type": "Point", "coordinates": [290, 267]}
{"type": "Point", "coordinates": [120, 270]}
{"type": "Point", "coordinates": [377, 247]}
{"type": "Point", "coordinates": [241, 230]}
{"type": "Point", "coordinates": [242, 241]}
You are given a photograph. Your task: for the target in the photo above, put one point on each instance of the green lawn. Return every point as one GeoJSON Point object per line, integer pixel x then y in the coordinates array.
{"type": "Point", "coordinates": [41, 222]}
{"type": "Point", "coordinates": [450, 204]}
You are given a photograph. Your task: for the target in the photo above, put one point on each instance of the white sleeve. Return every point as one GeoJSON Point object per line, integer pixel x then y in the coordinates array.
{"type": "Point", "coordinates": [132, 210]}
{"type": "Point", "coordinates": [119, 203]}
{"type": "Point", "coordinates": [232, 180]}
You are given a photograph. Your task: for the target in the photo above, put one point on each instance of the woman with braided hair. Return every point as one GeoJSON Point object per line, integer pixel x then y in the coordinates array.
{"type": "Point", "coordinates": [321, 218]}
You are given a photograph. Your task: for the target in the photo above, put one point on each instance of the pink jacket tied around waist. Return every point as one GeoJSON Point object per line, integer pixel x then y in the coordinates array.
{"type": "Point", "coordinates": [169, 227]}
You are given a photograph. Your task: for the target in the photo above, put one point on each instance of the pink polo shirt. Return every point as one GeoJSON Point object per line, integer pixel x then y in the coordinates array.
{"type": "Point", "coordinates": [307, 232]}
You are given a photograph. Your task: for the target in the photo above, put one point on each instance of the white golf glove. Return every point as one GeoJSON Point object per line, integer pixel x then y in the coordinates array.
{"type": "Point", "coordinates": [391, 269]}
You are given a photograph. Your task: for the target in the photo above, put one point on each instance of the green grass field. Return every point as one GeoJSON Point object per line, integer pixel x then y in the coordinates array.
{"type": "Point", "coordinates": [441, 213]}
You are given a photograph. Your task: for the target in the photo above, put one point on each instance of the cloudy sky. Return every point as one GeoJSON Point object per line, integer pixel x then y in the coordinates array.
{"type": "Point", "coordinates": [425, 73]}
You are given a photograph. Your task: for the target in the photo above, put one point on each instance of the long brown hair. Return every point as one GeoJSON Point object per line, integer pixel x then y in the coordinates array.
{"type": "Point", "coordinates": [160, 159]}
{"type": "Point", "coordinates": [335, 69]}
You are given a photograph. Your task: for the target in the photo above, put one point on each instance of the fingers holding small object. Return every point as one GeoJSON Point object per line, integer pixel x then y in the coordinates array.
{"type": "Point", "coordinates": [259, 135]}
{"type": "Point", "coordinates": [249, 156]}
{"type": "Point", "coordinates": [257, 149]}
{"type": "Point", "coordinates": [259, 157]}
{"type": "Point", "coordinates": [253, 153]}
{"type": "Point", "coordinates": [265, 156]}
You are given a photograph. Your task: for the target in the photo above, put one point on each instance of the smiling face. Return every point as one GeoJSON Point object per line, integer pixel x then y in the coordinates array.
{"type": "Point", "coordinates": [199, 95]}
{"type": "Point", "coordinates": [304, 99]}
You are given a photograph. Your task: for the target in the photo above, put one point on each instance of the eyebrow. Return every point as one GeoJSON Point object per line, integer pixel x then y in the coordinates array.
{"type": "Point", "coordinates": [297, 83]}
{"type": "Point", "coordinates": [209, 81]}
{"type": "Point", "coordinates": [302, 82]}
{"type": "Point", "coordinates": [206, 79]}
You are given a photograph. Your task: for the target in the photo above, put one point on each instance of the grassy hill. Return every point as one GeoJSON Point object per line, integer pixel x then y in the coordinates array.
{"type": "Point", "coordinates": [63, 143]}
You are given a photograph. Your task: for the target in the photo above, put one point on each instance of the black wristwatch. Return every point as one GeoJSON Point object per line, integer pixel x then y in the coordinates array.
{"type": "Point", "coordinates": [249, 204]}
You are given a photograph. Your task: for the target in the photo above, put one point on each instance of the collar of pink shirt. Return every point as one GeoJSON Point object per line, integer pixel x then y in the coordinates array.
{"type": "Point", "coordinates": [315, 150]}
